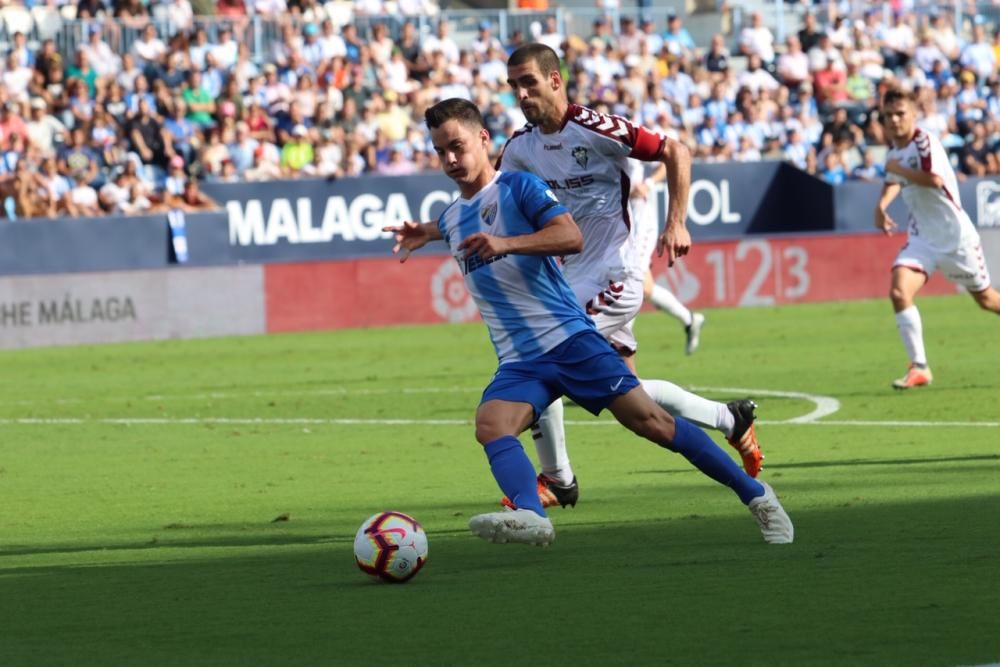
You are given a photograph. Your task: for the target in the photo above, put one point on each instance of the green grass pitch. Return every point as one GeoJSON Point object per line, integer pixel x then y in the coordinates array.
{"type": "Point", "coordinates": [140, 486]}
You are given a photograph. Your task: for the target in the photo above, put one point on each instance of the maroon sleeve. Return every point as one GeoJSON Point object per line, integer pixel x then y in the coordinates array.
{"type": "Point", "coordinates": [647, 145]}
{"type": "Point", "coordinates": [642, 143]}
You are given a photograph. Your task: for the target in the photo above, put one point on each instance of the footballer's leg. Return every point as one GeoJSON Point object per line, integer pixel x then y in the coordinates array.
{"type": "Point", "coordinates": [735, 420]}
{"type": "Point", "coordinates": [665, 300]}
{"type": "Point", "coordinates": [988, 299]}
{"type": "Point", "coordinates": [639, 413]}
{"type": "Point", "coordinates": [509, 405]}
{"type": "Point", "coordinates": [906, 282]}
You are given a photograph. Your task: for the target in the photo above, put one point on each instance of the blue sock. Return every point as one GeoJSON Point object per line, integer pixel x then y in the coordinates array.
{"type": "Point", "coordinates": [694, 444]}
{"type": "Point", "coordinates": [514, 473]}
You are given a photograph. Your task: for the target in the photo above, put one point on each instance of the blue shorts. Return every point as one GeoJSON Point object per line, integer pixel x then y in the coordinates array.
{"type": "Point", "coordinates": [584, 367]}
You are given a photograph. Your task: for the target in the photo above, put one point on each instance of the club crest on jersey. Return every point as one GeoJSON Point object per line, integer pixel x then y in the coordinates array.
{"type": "Point", "coordinates": [580, 155]}
{"type": "Point", "coordinates": [488, 213]}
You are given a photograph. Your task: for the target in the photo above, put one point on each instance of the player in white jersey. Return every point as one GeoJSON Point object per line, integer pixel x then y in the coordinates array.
{"type": "Point", "coordinates": [583, 156]}
{"type": "Point", "coordinates": [645, 232]}
{"type": "Point", "coordinates": [503, 231]}
{"type": "Point", "coordinates": [941, 235]}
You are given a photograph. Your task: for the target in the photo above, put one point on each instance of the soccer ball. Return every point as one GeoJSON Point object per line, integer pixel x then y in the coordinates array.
{"type": "Point", "coordinates": [391, 546]}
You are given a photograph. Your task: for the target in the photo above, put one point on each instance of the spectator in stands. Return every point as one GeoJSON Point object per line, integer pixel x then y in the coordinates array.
{"type": "Point", "coordinates": [899, 41]}
{"type": "Point", "coordinates": [90, 9]}
{"type": "Point", "coordinates": [269, 7]}
{"type": "Point", "coordinates": [114, 196]}
{"type": "Point", "coordinates": [441, 42]}
{"type": "Point", "coordinates": [399, 162]}
{"type": "Point", "coordinates": [793, 65]}
{"type": "Point", "coordinates": [677, 86]}
{"type": "Point", "coordinates": [200, 103]}
{"type": "Point", "coordinates": [149, 50]}
{"type": "Point", "coordinates": [833, 170]}
{"type": "Point", "coordinates": [146, 135]}
{"type": "Point", "coordinates": [809, 35]}
{"type": "Point", "coordinates": [551, 37]}
{"type": "Point", "coordinates": [677, 38]}
{"type": "Point", "coordinates": [942, 32]}
{"type": "Point", "coordinates": [76, 158]}
{"type": "Point", "coordinates": [860, 91]}
{"type": "Point", "coordinates": [756, 39]}
{"type": "Point", "coordinates": [976, 158]}
{"type": "Point", "coordinates": [327, 156]}
{"type": "Point", "coordinates": [264, 168]}
{"type": "Point", "coordinates": [755, 77]}
{"type": "Point", "coordinates": [831, 86]}
{"type": "Point", "coordinates": [978, 55]}
{"type": "Point", "coordinates": [409, 45]}
{"type": "Point", "coordinates": [797, 150]}
{"type": "Point", "coordinates": [927, 54]}
{"type": "Point", "coordinates": [43, 128]}
{"type": "Point", "coordinates": [105, 62]}
{"type": "Point", "coordinates": [970, 103]}
{"type": "Point", "coordinates": [191, 198]}
{"type": "Point", "coordinates": [82, 198]}
{"type": "Point", "coordinates": [53, 187]}
{"type": "Point", "coordinates": [870, 170]}
{"type": "Point", "coordinates": [297, 152]}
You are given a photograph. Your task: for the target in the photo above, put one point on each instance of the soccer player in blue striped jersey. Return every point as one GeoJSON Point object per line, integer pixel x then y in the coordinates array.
{"type": "Point", "coordinates": [504, 231]}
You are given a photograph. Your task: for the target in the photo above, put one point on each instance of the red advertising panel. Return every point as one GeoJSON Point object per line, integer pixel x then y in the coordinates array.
{"type": "Point", "coordinates": [749, 272]}
{"type": "Point", "coordinates": [365, 292]}
{"type": "Point", "coordinates": [767, 271]}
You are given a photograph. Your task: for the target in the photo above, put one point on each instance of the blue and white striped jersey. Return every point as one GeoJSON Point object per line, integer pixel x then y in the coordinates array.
{"type": "Point", "coordinates": [524, 300]}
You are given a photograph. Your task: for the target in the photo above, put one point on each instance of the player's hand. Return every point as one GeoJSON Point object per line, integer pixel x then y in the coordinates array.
{"type": "Point", "coordinates": [640, 190]}
{"type": "Point", "coordinates": [675, 241]}
{"type": "Point", "coordinates": [884, 222]}
{"type": "Point", "coordinates": [485, 245]}
{"type": "Point", "coordinates": [409, 237]}
{"type": "Point", "coordinates": [894, 167]}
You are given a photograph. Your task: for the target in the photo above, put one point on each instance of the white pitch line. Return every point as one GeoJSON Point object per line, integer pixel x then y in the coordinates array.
{"type": "Point", "coordinates": [861, 422]}
{"type": "Point", "coordinates": [308, 421]}
{"type": "Point", "coordinates": [825, 405]}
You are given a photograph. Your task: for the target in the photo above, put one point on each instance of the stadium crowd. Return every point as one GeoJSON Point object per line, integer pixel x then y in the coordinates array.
{"type": "Point", "coordinates": [104, 132]}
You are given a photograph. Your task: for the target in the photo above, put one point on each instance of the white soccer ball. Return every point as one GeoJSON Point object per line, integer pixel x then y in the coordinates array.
{"type": "Point", "coordinates": [391, 546]}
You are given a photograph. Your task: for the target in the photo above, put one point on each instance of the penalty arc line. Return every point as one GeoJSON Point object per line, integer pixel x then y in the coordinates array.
{"type": "Point", "coordinates": [824, 406]}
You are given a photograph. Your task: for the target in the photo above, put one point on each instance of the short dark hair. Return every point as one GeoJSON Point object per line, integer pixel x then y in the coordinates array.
{"type": "Point", "coordinates": [895, 94]}
{"type": "Point", "coordinates": [543, 55]}
{"type": "Point", "coordinates": [454, 108]}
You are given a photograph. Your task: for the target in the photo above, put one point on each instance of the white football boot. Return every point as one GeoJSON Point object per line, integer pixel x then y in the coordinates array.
{"type": "Point", "coordinates": [522, 526]}
{"type": "Point", "coordinates": [693, 332]}
{"type": "Point", "coordinates": [775, 525]}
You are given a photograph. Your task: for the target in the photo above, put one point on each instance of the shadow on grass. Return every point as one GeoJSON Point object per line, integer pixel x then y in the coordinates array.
{"type": "Point", "coordinates": [911, 583]}
{"type": "Point", "coordinates": [848, 463]}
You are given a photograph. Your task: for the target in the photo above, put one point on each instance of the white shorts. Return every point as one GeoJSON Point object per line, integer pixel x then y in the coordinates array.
{"type": "Point", "coordinates": [613, 311]}
{"type": "Point", "coordinates": [645, 232]}
{"type": "Point", "coordinates": [966, 266]}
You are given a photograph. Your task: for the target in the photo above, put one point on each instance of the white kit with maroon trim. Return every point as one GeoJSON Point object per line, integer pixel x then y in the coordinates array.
{"type": "Point", "coordinates": [585, 164]}
{"type": "Point", "coordinates": [936, 214]}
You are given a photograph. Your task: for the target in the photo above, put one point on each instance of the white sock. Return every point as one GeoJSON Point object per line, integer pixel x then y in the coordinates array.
{"type": "Point", "coordinates": [665, 300]}
{"type": "Point", "coordinates": [701, 411]}
{"type": "Point", "coordinates": [550, 443]}
{"type": "Point", "coordinates": [911, 330]}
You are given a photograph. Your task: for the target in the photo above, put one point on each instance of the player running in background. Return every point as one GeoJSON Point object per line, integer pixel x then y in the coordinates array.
{"type": "Point", "coordinates": [583, 156]}
{"type": "Point", "coordinates": [504, 231]}
{"type": "Point", "coordinates": [645, 232]}
{"type": "Point", "coordinates": [941, 235]}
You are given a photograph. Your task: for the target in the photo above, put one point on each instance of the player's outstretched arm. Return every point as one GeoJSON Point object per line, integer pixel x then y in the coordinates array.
{"type": "Point", "coordinates": [412, 235]}
{"type": "Point", "coordinates": [882, 220]}
{"type": "Point", "coordinates": [559, 236]}
{"type": "Point", "coordinates": [675, 239]}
